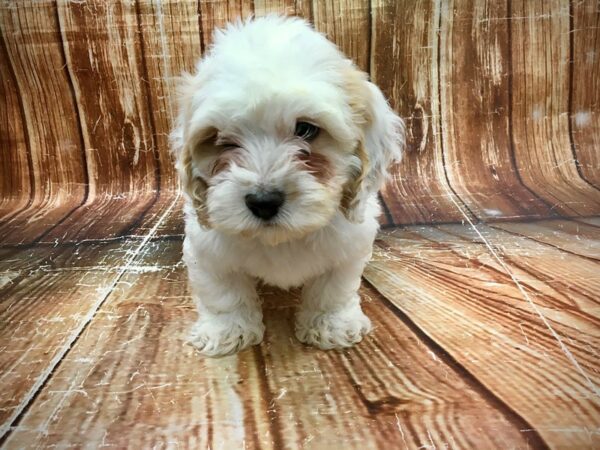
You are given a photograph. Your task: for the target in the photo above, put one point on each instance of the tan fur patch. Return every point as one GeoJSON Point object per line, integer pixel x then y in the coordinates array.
{"type": "Point", "coordinates": [360, 102]}
{"type": "Point", "coordinates": [225, 159]}
{"type": "Point", "coordinates": [316, 164]}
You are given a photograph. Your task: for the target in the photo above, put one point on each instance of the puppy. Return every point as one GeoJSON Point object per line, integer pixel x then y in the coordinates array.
{"type": "Point", "coordinates": [281, 146]}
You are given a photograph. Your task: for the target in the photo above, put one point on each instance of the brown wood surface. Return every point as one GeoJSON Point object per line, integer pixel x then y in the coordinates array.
{"type": "Point", "coordinates": [404, 63]}
{"type": "Point", "coordinates": [540, 61]}
{"type": "Point", "coordinates": [528, 328]}
{"type": "Point", "coordinates": [584, 104]}
{"type": "Point", "coordinates": [475, 110]}
{"type": "Point", "coordinates": [132, 363]}
{"type": "Point", "coordinates": [458, 358]}
{"type": "Point", "coordinates": [500, 99]}
{"type": "Point", "coordinates": [43, 108]}
{"type": "Point", "coordinates": [48, 293]}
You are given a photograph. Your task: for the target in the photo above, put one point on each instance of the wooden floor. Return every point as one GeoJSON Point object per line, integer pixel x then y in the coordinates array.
{"type": "Point", "coordinates": [485, 337]}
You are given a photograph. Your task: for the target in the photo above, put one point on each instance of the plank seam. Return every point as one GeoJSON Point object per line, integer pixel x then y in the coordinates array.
{"type": "Point", "coordinates": [26, 131]}
{"type": "Point", "coordinates": [461, 370]}
{"type": "Point", "coordinates": [570, 105]}
{"type": "Point", "coordinates": [535, 309]}
{"type": "Point", "coordinates": [513, 156]}
{"type": "Point", "coordinates": [46, 375]}
{"type": "Point", "coordinates": [86, 171]}
{"type": "Point", "coordinates": [447, 186]}
{"type": "Point", "coordinates": [530, 238]}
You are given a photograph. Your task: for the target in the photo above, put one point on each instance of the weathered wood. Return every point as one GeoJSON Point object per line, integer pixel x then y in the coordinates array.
{"type": "Point", "coordinates": [104, 58]}
{"type": "Point", "coordinates": [263, 7]}
{"type": "Point", "coordinates": [137, 381]}
{"type": "Point", "coordinates": [540, 55]}
{"type": "Point", "coordinates": [48, 294]}
{"type": "Point", "coordinates": [578, 238]}
{"type": "Point", "coordinates": [347, 23]}
{"type": "Point", "coordinates": [216, 14]}
{"type": "Point", "coordinates": [446, 281]}
{"type": "Point", "coordinates": [15, 177]}
{"type": "Point", "coordinates": [475, 112]}
{"type": "Point", "coordinates": [485, 87]}
{"type": "Point", "coordinates": [404, 63]}
{"type": "Point", "coordinates": [170, 42]}
{"type": "Point", "coordinates": [391, 391]}
{"type": "Point", "coordinates": [46, 115]}
{"type": "Point", "coordinates": [584, 89]}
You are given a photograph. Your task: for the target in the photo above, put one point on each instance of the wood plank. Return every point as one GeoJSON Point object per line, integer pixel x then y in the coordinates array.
{"type": "Point", "coordinates": [15, 181]}
{"type": "Point", "coordinates": [449, 285]}
{"type": "Point", "coordinates": [584, 89]}
{"type": "Point", "coordinates": [594, 221]}
{"type": "Point", "coordinates": [106, 217]}
{"type": "Point", "coordinates": [216, 14]}
{"type": "Point", "coordinates": [475, 112]}
{"type": "Point", "coordinates": [540, 107]}
{"type": "Point", "coordinates": [264, 7]}
{"type": "Point", "coordinates": [104, 57]}
{"type": "Point", "coordinates": [404, 63]}
{"type": "Point", "coordinates": [347, 23]}
{"type": "Point", "coordinates": [575, 237]}
{"type": "Point", "coordinates": [304, 8]}
{"type": "Point", "coordinates": [133, 364]}
{"type": "Point", "coordinates": [114, 387]}
{"type": "Point", "coordinates": [170, 42]}
{"type": "Point", "coordinates": [392, 391]}
{"type": "Point", "coordinates": [47, 294]}
{"type": "Point", "coordinates": [57, 167]}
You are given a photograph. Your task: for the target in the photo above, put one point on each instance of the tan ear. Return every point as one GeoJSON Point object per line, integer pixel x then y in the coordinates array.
{"type": "Point", "coordinates": [194, 186]}
{"type": "Point", "coordinates": [352, 189]}
{"type": "Point", "coordinates": [183, 145]}
{"type": "Point", "coordinates": [380, 144]}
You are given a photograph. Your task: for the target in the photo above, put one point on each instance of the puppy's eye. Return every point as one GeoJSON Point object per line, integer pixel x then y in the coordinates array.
{"type": "Point", "coordinates": [306, 131]}
{"type": "Point", "coordinates": [227, 146]}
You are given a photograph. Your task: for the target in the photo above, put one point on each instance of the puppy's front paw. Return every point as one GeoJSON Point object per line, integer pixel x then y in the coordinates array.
{"type": "Point", "coordinates": [226, 333]}
{"type": "Point", "coordinates": [335, 329]}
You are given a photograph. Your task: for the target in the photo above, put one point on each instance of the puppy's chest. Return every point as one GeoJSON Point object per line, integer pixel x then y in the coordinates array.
{"type": "Point", "coordinates": [289, 266]}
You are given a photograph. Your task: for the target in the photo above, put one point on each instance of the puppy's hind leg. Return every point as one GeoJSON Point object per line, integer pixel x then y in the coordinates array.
{"type": "Point", "coordinates": [230, 315]}
{"type": "Point", "coordinates": [330, 315]}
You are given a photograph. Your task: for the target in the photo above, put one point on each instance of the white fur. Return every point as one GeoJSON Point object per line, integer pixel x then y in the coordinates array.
{"type": "Point", "coordinates": [259, 78]}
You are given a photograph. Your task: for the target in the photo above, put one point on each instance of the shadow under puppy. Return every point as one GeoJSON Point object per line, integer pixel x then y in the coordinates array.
{"type": "Point", "coordinates": [281, 146]}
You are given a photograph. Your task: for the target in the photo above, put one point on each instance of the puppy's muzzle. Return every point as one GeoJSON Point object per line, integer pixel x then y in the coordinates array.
{"type": "Point", "coordinates": [265, 205]}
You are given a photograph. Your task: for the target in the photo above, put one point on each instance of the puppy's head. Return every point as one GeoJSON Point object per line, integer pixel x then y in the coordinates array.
{"type": "Point", "coordinates": [278, 131]}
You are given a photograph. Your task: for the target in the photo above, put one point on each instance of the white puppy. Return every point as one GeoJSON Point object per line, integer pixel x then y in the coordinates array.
{"type": "Point", "coordinates": [281, 146]}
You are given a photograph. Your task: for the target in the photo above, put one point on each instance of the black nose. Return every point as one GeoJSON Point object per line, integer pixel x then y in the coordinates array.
{"type": "Point", "coordinates": [265, 205]}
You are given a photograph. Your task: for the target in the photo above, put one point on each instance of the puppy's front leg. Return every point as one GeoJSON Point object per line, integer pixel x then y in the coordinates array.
{"type": "Point", "coordinates": [230, 315]}
{"type": "Point", "coordinates": [330, 315]}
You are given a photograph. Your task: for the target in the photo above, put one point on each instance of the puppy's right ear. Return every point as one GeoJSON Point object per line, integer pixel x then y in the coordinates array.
{"type": "Point", "coordinates": [183, 146]}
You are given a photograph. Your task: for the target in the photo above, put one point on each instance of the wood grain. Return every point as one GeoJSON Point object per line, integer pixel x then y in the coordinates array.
{"type": "Point", "coordinates": [584, 89]}
{"type": "Point", "coordinates": [540, 55]}
{"type": "Point", "coordinates": [137, 381]}
{"type": "Point", "coordinates": [45, 112]}
{"type": "Point", "coordinates": [446, 281]}
{"type": "Point", "coordinates": [48, 293]}
{"type": "Point", "coordinates": [404, 63]}
{"type": "Point", "coordinates": [15, 183]}
{"type": "Point", "coordinates": [347, 23]}
{"type": "Point", "coordinates": [494, 131]}
{"type": "Point", "coordinates": [216, 14]}
{"type": "Point", "coordinates": [578, 238]}
{"type": "Point", "coordinates": [475, 112]}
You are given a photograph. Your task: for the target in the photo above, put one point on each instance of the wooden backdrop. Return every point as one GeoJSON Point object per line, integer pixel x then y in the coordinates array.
{"type": "Point", "coordinates": [501, 98]}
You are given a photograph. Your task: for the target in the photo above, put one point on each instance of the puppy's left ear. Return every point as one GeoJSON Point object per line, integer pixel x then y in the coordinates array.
{"type": "Point", "coordinates": [380, 145]}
